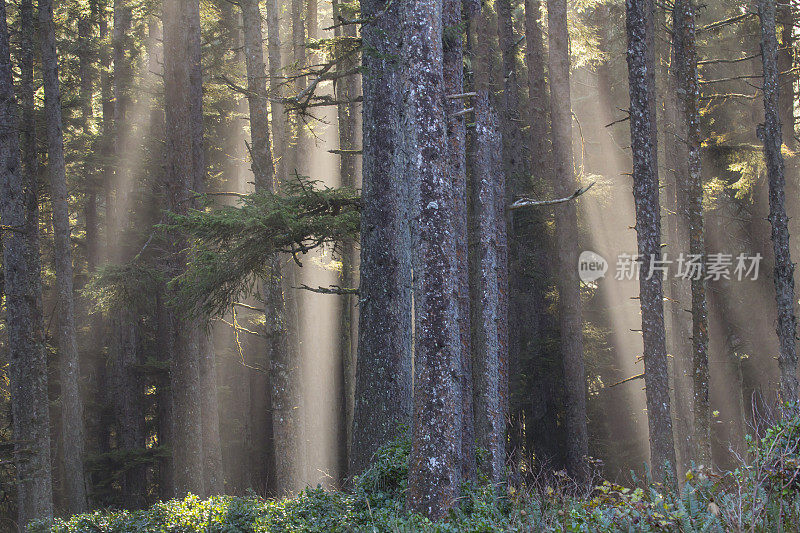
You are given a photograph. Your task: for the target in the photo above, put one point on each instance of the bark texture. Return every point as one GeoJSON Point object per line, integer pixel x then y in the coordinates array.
{"type": "Point", "coordinates": [383, 366]}
{"type": "Point", "coordinates": [567, 239]}
{"type": "Point", "coordinates": [346, 93]}
{"type": "Point", "coordinates": [179, 181]}
{"type": "Point", "coordinates": [434, 469]}
{"type": "Point", "coordinates": [73, 435]}
{"type": "Point", "coordinates": [456, 140]}
{"type": "Point", "coordinates": [641, 81]}
{"type": "Point", "coordinates": [22, 284]}
{"type": "Point", "coordinates": [281, 356]}
{"type": "Point", "coordinates": [770, 134]}
{"type": "Point", "coordinates": [689, 88]}
{"type": "Point", "coordinates": [488, 185]}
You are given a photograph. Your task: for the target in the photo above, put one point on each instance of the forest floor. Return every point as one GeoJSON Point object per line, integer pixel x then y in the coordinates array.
{"type": "Point", "coordinates": [763, 495]}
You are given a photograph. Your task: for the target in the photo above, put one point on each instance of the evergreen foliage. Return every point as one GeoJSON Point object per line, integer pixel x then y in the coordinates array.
{"type": "Point", "coordinates": [230, 244]}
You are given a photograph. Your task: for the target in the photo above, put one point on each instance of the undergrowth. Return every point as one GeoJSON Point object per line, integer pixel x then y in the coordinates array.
{"type": "Point", "coordinates": [762, 495]}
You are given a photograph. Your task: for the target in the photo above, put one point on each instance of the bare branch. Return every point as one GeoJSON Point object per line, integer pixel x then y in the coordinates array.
{"type": "Point", "coordinates": [527, 202]}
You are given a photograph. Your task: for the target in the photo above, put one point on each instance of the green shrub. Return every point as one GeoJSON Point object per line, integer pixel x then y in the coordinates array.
{"type": "Point", "coordinates": [761, 495]}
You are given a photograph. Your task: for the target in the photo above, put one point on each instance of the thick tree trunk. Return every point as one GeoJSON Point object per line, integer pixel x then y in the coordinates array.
{"type": "Point", "coordinates": [24, 324]}
{"type": "Point", "coordinates": [641, 80]}
{"type": "Point", "coordinates": [383, 366]}
{"type": "Point", "coordinates": [689, 88]}
{"type": "Point", "coordinates": [179, 180]}
{"type": "Point", "coordinates": [488, 185]}
{"type": "Point", "coordinates": [434, 469]}
{"type": "Point", "coordinates": [566, 234]}
{"type": "Point", "coordinates": [770, 134]}
{"type": "Point", "coordinates": [73, 435]}
{"type": "Point", "coordinates": [456, 143]}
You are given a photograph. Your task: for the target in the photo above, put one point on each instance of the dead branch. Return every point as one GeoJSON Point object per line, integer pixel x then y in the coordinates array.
{"type": "Point", "coordinates": [333, 289]}
{"type": "Point", "coordinates": [528, 202]}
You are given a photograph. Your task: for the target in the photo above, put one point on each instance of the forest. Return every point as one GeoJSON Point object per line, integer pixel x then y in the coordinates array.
{"type": "Point", "coordinates": [399, 265]}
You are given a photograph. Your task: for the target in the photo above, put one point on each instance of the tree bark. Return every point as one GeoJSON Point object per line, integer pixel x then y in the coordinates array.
{"type": "Point", "coordinates": [786, 76]}
{"type": "Point", "coordinates": [453, 68]}
{"type": "Point", "coordinates": [179, 180]}
{"type": "Point", "coordinates": [641, 80]}
{"type": "Point", "coordinates": [282, 357]}
{"type": "Point", "coordinates": [770, 134]}
{"type": "Point", "coordinates": [346, 92]}
{"type": "Point", "coordinates": [434, 468]}
{"type": "Point", "coordinates": [689, 89]}
{"type": "Point", "coordinates": [24, 324]}
{"type": "Point", "coordinates": [73, 435]}
{"type": "Point", "coordinates": [280, 124]}
{"type": "Point", "coordinates": [566, 234]}
{"type": "Point", "coordinates": [383, 366]}
{"type": "Point", "coordinates": [488, 185]}
{"type": "Point", "coordinates": [214, 476]}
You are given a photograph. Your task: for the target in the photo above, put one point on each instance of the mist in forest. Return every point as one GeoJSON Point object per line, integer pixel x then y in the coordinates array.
{"type": "Point", "coordinates": [248, 245]}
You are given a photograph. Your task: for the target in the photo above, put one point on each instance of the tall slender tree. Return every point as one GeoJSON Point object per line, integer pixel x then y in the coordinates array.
{"type": "Point", "coordinates": [689, 89]}
{"type": "Point", "coordinates": [488, 191]}
{"type": "Point", "coordinates": [453, 68]}
{"type": "Point", "coordinates": [383, 366]}
{"type": "Point", "coordinates": [567, 239]}
{"type": "Point", "coordinates": [641, 81]}
{"type": "Point", "coordinates": [24, 325]}
{"type": "Point", "coordinates": [347, 120]}
{"type": "Point", "coordinates": [770, 134]}
{"type": "Point", "coordinates": [73, 442]}
{"type": "Point", "coordinates": [282, 358]}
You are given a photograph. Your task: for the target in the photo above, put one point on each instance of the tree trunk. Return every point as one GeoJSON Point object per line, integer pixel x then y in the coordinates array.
{"type": "Point", "coordinates": [786, 75]}
{"type": "Point", "coordinates": [641, 80]}
{"type": "Point", "coordinates": [179, 180]}
{"type": "Point", "coordinates": [770, 134]}
{"type": "Point", "coordinates": [689, 88]}
{"type": "Point", "coordinates": [516, 176]}
{"type": "Point", "coordinates": [73, 436]}
{"type": "Point", "coordinates": [434, 469]}
{"type": "Point", "coordinates": [383, 365]}
{"type": "Point", "coordinates": [566, 234]}
{"type": "Point", "coordinates": [282, 357]}
{"type": "Point", "coordinates": [488, 185]}
{"type": "Point", "coordinates": [24, 324]}
{"type": "Point", "coordinates": [280, 125]}
{"type": "Point", "coordinates": [346, 92]}
{"type": "Point", "coordinates": [214, 477]}
{"type": "Point", "coordinates": [456, 143]}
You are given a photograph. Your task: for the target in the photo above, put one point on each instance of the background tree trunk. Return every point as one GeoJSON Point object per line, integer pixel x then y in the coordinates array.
{"type": "Point", "coordinates": [73, 436]}
{"type": "Point", "coordinates": [770, 134]}
{"type": "Point", "coordinates": [648, 228]}
{"type": "Point", "coordinates": [179, 180]}
{"type": "Point", "coordinates": [567, 239]}
{"type": "Point", "coordinates": [688, 79]}
{"type": "Point", "coordinates": [487, 187]}
{"type": "Point", "coordinates": [24, 324]}
{"type": "Point", "coordinates": [456, 140]}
